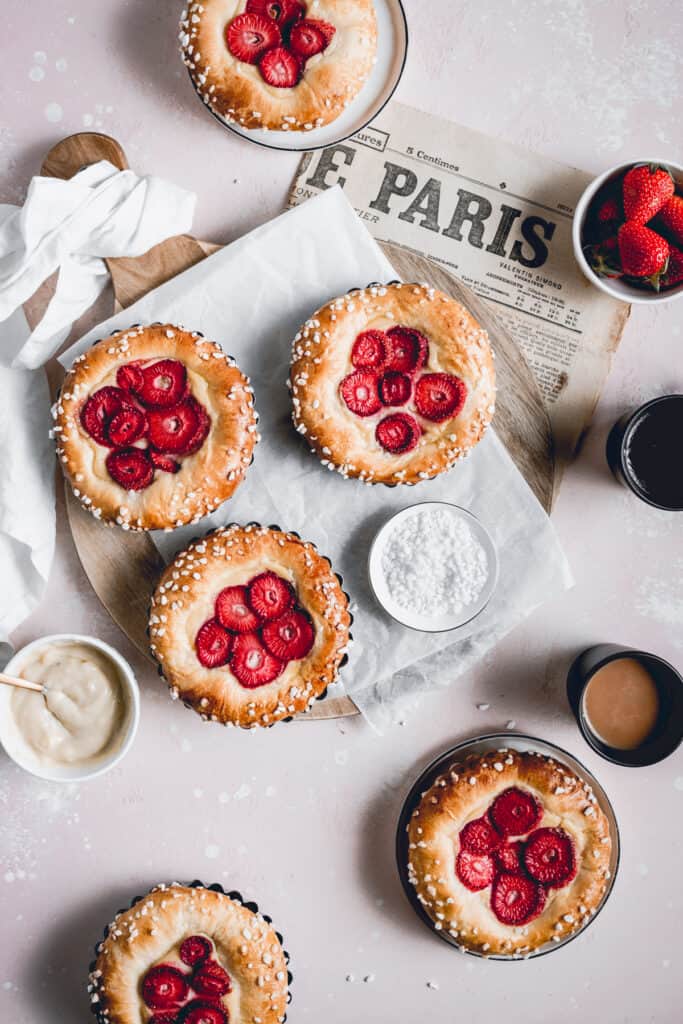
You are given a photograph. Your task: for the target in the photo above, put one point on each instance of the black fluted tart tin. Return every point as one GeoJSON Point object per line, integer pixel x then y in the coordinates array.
{"type": "Point", "coordinates": [233, 894]}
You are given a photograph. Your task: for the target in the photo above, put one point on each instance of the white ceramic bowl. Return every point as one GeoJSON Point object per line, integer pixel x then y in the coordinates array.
{"type": "Point", "coordinates": [614, 286]}
{"type": "Point", "coordinates": [445, 622]}
{"type": "Point", "coordinates": [23, 755]}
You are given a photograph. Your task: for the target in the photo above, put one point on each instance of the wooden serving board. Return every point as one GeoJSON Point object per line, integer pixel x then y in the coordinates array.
{"type": "Point", "coordinates": [123, 567]}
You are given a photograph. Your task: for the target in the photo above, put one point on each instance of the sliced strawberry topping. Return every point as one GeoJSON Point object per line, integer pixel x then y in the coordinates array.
{"type": "Point", "coordinates": [284, 12]}
{"type": "Point", "coordinates": [440, 396]}
{"type": "Point", "coordinates": [195, 950]}
{"type": "Point", "coordinates": [360, 394]}
{"type": "Point", "coordinates": [173, 430]}
{"type": "Point", "coordinates": [515, 812]}
{"type": "Point", "coordinates": [163, 462]}
{"type": "Point", "coordinates": [213, 645]}
{"type": "Point", "coordinates": [309, 37]}
{"type": "Point", "coordinates": [203, 1011]}
{"type": "Point", "coordinates": [130, 467]}
{"type": "Point", "coordinates": [211, 980]}
{"type": "Point", "coordinates": [408, 349]}
{"type": "Point", "coordinates": [369, 350]}
{"type": "Point", "coordinates": [475, 870]}
{"type": "Point", "coordinates": [250, 35]}
{"type": "Point", "coordinates": [233, 611]}
{"type": "Point", "coordinates": [129, 377]}
{"type": "Point", "coordinates": [290, 637]}
{"type": "Point", "coordinates": [509, 856]}
{"type": "Point", "coordinates": [270, 596]}
{"type": "Point", "coordinates": [203, 426]}
{"type": "Point", "coordinates": [253, 665]}
{"type": "Point", "coordinates": [164, 987]}
{"type": "Point", "coordinates": [165, 1017]}
{"type": "Point", "coordinates": [549, 856]}
{"type": "Point", "coordinates": [516, 899]}
{"type": "Point", "coordinates": [127, 425]}
{"type": "Point", "coordinates": [163, 383]}
{"type": "Point", "coordinates": [280, 68]}
{"type": "Point", "coordinates": [479, 836]}
{"type": "Point", "coordinates": [398, 433]}
{"type": "Point", "coordinates": [98, 411]}
{"type": "Point", "coordinates": [395, 388]}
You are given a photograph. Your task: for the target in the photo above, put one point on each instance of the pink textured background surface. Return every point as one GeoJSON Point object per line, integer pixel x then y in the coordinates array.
{"type": "Point", "coordinates": [302, 818]}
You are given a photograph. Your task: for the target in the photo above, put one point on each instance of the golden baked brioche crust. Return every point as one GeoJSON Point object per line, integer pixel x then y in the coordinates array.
{"type": "Point", "coordinates": [185, 597]}
{"type": "Point", "coordinates": [321, 358]}
{"type": "Point", "coordinates": [151, 931]}
{"type": "Point", "coordinates": [236, 90]}
{"type": "Point", "coordinates": [207, 478]}
{"type": "Point", "coordinates": [464, 793]}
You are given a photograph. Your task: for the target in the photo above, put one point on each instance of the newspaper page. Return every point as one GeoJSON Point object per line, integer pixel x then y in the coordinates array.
{"type": "Point", "coordinates": [499, 217]}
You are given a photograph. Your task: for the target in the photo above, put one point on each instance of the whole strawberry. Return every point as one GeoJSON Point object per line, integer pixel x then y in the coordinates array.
{"type": "Point", "coordinates": [604, 257]}
{"type": "Point", "coordinates": [646, 189]}
{"type": "Point", "coordinates": [670, 219]}
{"type": "Point", "coordinates": [643, 253]}
{"type": "Point", "coordinates": [674, 270]}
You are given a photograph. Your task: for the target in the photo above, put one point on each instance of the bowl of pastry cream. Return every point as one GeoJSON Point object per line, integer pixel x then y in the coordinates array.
{"type": "Point", "coordinates": [85, 719]}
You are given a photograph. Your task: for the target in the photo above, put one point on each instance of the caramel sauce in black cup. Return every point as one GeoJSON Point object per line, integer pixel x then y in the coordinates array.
{"type": "Point", "coordinates": [645, 452]}
{"type": "Point", "coordinates": [667, 733]}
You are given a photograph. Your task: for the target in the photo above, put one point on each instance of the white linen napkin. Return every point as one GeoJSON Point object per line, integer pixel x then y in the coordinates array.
{"type": "Point", "coordinates": [252, 296]}
{"type": "Point", "coordinates": [67, 226]}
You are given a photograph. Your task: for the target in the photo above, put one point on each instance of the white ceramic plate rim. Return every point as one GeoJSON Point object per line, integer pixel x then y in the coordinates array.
{"type": "Point", "coordinates": [21, 754]}
{"type": "Point", "coordinates": [392, 50]}
{"type": "Point", "coordinates": [521, 742]}
{"type": "Point", "coordinates": [425, 624]}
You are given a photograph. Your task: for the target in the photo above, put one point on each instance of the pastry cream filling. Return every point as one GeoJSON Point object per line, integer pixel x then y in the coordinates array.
{"type": "Point", "coordinates": [79, 716]}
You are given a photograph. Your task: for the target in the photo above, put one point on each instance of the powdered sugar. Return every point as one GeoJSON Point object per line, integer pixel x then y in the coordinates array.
{"type": "Point", "coordinates": [434, 564]}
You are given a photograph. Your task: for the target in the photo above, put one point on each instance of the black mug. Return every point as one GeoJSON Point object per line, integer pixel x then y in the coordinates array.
{"type": "Point", "coordinates": [653, 432]}
{"type": "Point", "coordinates": [668, 731]}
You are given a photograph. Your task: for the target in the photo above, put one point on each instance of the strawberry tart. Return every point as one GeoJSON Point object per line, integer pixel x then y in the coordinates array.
{"type": "Point", "coordinates": [249, 625]}
{"type": "Point", "coordinates": [509, 852]}
{"type": "Point", "coordinates": [155, 427]}
{"type": "Point", "coordinates": [283, 65]}
{"type": "Point", "coordinates": [189, 955]}
{"type": "Point", "coordinates": [392, 384]}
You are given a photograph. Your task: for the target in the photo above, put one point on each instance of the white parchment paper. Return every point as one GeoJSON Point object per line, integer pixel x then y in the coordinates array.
{"type": "Point", "coordinates": [251, 297]}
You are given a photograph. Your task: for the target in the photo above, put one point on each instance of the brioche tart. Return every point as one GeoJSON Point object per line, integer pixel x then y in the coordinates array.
{"type": "Point", "coordinates": [249, 625]}
{"type": "Point", "coordinates": [190, 955]}
{"type": "Point", "coordinates": [155, 427]}
{"type": "Point", "coordinates": [279, 65]}
{"type": "Point", "coordinates": [392, 384]}
{"type": "Point", "coordinates": [509, 853]}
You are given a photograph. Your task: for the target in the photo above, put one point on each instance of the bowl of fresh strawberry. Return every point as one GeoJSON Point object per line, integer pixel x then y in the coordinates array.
{"type": "Point", "coordinates": [628, 231]}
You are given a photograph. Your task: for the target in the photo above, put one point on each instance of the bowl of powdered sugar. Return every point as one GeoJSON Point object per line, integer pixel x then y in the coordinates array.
{"type": "Point", "coordinates": [433, 566]}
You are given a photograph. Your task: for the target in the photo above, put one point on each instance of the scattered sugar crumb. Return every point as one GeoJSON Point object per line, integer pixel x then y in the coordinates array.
{"type": "Point", "coordinates": [243, 792]}
{"type": "Point", "coordinates": [61, 64]}
{"type": "Point", "coordinates": [483, 707]}
{"type": "Point", "coordinates": [199, 793]}
{"type": "Point", "coordinates": [350, 977]}
{"type": "Point", "coordinates": [341, 757]}
{"type": "Point", "coordinates": [369, 978]}
{"type": "Point", "coordinates": [270, 791]}
{"type": "Point", "coordinates": [40, 57]}
{"type": "Point", "coordinates": [223, 798]}
{"type": "Point", "coordinates": [511, 724]}
{"type": "Point", "coordinates": [211, 851]}
{"type": "Point", "coordinates": [36, 74]}
{"type": "Point", "coordinates": [434, 985]}
{"type": "Point", "coordinates": [88, 120]}
{"type": "Point", "coordinates": [54, 113]}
